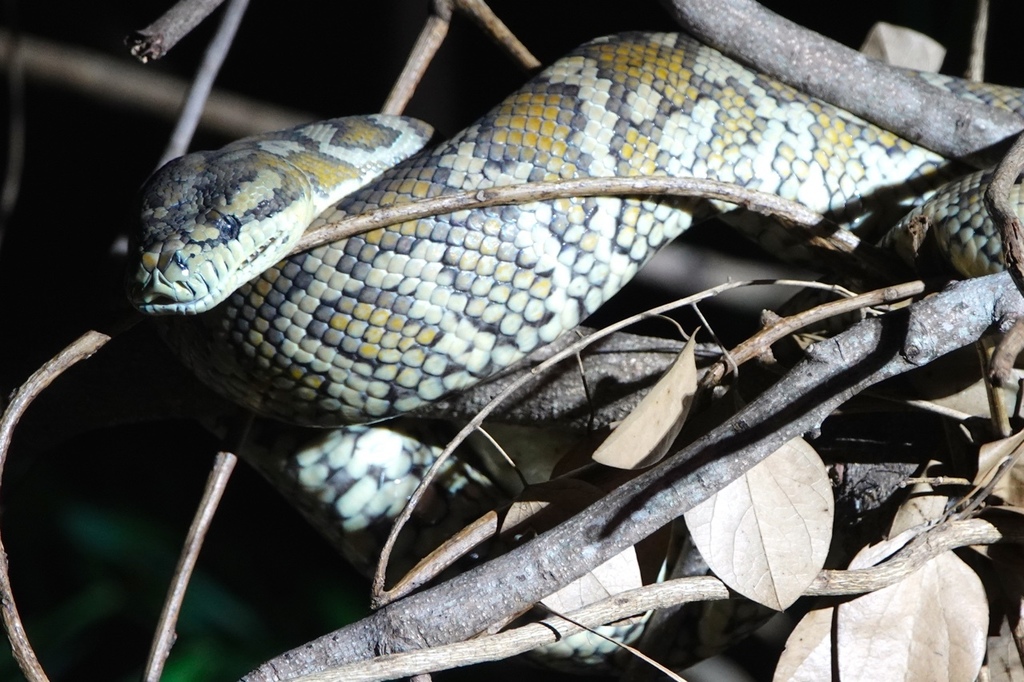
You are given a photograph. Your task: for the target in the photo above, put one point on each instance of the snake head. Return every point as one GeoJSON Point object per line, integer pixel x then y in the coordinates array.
{"type": "Point", "coordinates": [212, 221]}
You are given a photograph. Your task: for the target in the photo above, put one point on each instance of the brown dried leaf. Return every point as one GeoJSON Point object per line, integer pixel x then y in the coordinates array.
{"type": "Point", "coordinates": [618, 574]}
{"type": "Point", "coordinates": [645, 435]}
{"type": "Point", "coordinates": [955, 381]}
{"type": "Point", "coordinates": [992, 456]}
{"type": "Point", "coordinates": [930, 626]}
{"type": "Point", "coordinates": [808, 653]}
{"type": "Point", "coordinates": [901, 46]}
{"type": "Point", "coordinates": [1004, 664]}
{"type": "Point", "coordinates": [766, 535]}
{"type": "Point", "coordinates": [923, 505]}
{"type": "Point", "coordinates": [547, 505]}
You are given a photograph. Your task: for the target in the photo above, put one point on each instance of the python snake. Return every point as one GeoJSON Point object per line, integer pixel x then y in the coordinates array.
{"type": "Point", "coordinates": [377, 325]}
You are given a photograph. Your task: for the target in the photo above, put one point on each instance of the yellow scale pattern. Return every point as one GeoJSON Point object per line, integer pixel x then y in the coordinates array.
{"type": "Point", "coordinates": [377, 325]}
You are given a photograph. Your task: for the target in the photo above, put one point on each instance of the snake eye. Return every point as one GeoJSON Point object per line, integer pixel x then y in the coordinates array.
{"type": "Point", "coordinates": [180, 261]}
{"type": "Point", "coordinates": [228, 225]}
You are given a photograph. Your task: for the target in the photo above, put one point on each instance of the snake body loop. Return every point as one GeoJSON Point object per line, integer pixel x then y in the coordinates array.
{"type": "Point", "coordinates": [377, 325]}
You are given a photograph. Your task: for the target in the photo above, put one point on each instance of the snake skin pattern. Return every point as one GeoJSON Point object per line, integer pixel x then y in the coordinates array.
{"type": "Point", "coordinates": [214, 220]}
{"type": "Point", "coordinates": [957, 220]}
{"type": "Point", "coordinates": [351, 483]}
{"type": "Point", "coordinates": [377, 325]}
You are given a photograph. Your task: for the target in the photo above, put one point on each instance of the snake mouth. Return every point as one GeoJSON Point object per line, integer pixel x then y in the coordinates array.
{"type": "Point", "coordinates": [154, 293]}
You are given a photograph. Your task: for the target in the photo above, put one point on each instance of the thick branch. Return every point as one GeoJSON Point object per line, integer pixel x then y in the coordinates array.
{"type": "Point", "coordinates": [683, 590]}
{"type": "Point", "coordinates": [832, 372]}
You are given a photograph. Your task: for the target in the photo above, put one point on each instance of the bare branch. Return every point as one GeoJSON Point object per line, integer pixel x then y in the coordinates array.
{"type": "Point", "coordinates": [96, 75]}
{"type": "Point", "coordinates": [841, 250]}
{"type": "Point", "coordinates": [762, 341]}
{"type": "Point", "coordinates": [979, 35]}
{"type": "Point", "coordinates": [217, 482]}
{"type": "Point", "coordinates": [154, 41]}
{"type": "Point", "coordinates": [194, 104]}
{"type": "Point", "coordinates": [670, 593]}
{"type": "Point", "coordinates": [493, 26]}
{"type": "Point", "coordinates": [433, 34]}
{"type": "Point", "coordinates": [81, 349]}
{"type": "Point", "coordinates": [427, 44]}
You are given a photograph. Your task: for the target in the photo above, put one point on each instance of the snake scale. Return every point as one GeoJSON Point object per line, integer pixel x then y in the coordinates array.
{"type": "Point", "coordinates": [377, 325]}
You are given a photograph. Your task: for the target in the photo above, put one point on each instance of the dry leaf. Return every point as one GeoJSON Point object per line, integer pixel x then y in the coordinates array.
{"type": "Point", "coordinates": [618, 574]}
{"type": "Point", "coordinates": [766, 534]}
{"type": "Point", "coordinates": [923, 505]}
{"type": "Point", "coordinates": [1004, 664]}
{"type": "Point", "coordinates": [901, 46]}
{"type": "Point", "coordinates": [808, 653]}
{"type": "Point", "coordinates": [547, 505]}
{"type": "Point", "coordinates": [991, 457]}
{"type": "Point", "coordinates": [930, 626]}
{"type": "Point", "coordinates": [955, 381]}
{"type": "Point", "coordinates": [645, 435]}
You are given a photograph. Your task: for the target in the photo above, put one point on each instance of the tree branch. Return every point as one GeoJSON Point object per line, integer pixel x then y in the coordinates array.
{"type": "Point", "coordinates": [154, 41]}
{"type": "Point", "coordinates": [132, 85]}
{"type": "Point", "coordinates": [832, 372]}
{"type": "Point", "coordinates": [669, 593]}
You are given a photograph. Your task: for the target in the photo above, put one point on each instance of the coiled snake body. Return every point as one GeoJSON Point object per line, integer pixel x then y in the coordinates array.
{"type": "Point", "coordinates": [377, 325]}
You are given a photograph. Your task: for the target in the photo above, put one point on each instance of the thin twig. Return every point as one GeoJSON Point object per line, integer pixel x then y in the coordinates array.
{"type": "Point", "coordinates": [433, 34]}
{"type": "Point", "coordinates": [979, 37]}
{"type": "Point", "coordinates": [495, 28]}
{"type": "Point", "coordinates": [158, 38]}
{"type": "Point", "coordinates": [861, 259]}
{"type": "Point", "coordinates": [14, 60]}
{"type": "Point", "coordinates": [762, 202]}
{"type": "Point", "coordinates": [192, 109]}
{"type": "Point", "coordinates": [427, 44]}
{"type": "Point", "coordinates": [96, 75]}
{"type": "Point", "coordinates": [165, 636]}
{"type": "Point", "coordinates": [761, 342]}
{"type": "Point", "coordinates": [80, 349]}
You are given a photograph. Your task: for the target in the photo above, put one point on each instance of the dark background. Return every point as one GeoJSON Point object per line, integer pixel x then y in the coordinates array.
{"type": "Point", "coordinates": [93, 521]}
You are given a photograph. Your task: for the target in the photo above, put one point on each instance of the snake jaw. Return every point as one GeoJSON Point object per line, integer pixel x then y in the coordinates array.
{"type": "Point", "coordinates": [165, 284]}
{"type": "Point", "coordinates": [212, 221]}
